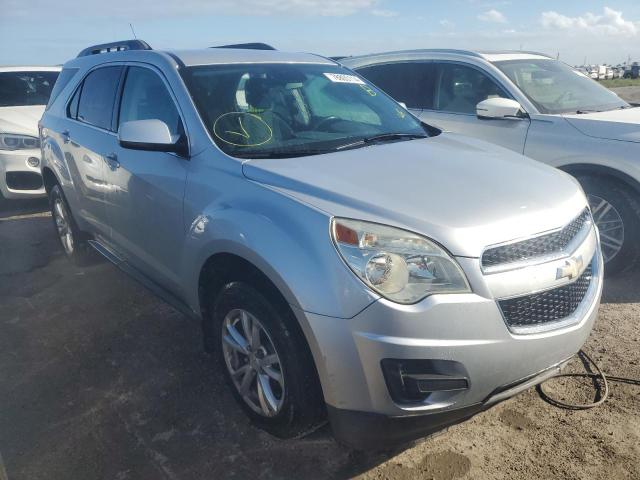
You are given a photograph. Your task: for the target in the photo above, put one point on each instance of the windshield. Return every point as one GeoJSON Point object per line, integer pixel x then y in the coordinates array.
{"type": "Point", "coordinates": [26, 88]}
{"type": "Point", "coordinates": [277, 110]}
{"type": "Point", "coordinates": [554, 87]}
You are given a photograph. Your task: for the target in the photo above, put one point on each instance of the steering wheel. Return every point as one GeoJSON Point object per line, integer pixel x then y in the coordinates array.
{"type": "Point", "coordinates": [285, 128]}
{"type": "Point", "coordinates": [326, 121]}
{"type": "Point", "coordinates": [564, 95]}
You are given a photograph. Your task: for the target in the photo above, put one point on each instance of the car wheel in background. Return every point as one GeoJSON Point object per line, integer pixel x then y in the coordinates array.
{"type": "Point", "coordinates": [616, 212]}
{"type": "Point", "coordinates": [266, 362]}
{"type": "Point", "coordinates": [71, 238]}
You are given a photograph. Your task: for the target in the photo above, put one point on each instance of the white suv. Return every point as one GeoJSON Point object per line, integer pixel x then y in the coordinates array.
{"type": "Point", "coordinates": [534, 105]}
{"type": "Point", "coordinates": [24, 92]}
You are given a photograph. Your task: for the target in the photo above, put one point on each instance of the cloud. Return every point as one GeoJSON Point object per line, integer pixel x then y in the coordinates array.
{"type": "Point", "coordinates": [447, 23]}
{"type": "Point", "coordinates": [150, 9]}
{"type": "Point", "coordinates": [384, 13]}
{"type": "Point", "coordinates": [492, 15]}
{"type": "Point", "coordinates": [610, 22]}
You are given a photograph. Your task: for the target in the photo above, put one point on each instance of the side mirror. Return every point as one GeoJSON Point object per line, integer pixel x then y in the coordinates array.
{"type": "Point", "coordinates": [499, 108]}
{"type": "Point", "coordinates": [152, 135]}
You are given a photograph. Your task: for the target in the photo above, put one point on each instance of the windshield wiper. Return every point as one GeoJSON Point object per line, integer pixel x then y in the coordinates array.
{"type": "Point", "coordinates": [290, 154]}
{"type": "Point", "coordinates": [384, 137]}
{"type": "Point", "coordinates": [582, 112]}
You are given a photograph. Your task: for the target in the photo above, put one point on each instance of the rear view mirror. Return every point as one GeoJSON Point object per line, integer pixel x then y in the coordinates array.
{"type": "Point", "coordinates": [152, 135]}
{"type": "Point", "coordinates": [499, 108]}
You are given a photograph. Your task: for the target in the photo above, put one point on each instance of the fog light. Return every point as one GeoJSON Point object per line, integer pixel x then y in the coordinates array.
{"type": "Point", "coordinates": [33, 162]}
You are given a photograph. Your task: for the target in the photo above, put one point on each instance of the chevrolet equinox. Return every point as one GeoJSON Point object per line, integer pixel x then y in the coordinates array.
{"type": "Point", "coordinates": [347, 262]}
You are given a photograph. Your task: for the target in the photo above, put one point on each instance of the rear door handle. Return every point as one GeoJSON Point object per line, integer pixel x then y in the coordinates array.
{"type": "Point", "coordinates": [112, 161]}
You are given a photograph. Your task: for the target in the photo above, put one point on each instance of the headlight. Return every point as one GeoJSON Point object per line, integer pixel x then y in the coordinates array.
{"type": "Point", "coordinates": [9, 141]}
{"type": "Point", "coordinates": [399, 265]}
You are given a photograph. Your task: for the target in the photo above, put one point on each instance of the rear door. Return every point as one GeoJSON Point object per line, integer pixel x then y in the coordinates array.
{"type": "Point", "coordinates": [146, 188]}
{"type": "Point", "coordinates": [458, 88]}
{"type": "Point", "coordinates": [87, 139]}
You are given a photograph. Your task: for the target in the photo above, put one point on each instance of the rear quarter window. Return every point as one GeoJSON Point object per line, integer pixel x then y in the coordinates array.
{"type": "Point", "coordinates": [63, 80]}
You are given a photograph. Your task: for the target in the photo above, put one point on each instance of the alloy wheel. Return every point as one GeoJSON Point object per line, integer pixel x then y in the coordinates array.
{"type": "Point", "coordinates": [253, 362]}
{"type": "Point", "coordinates": [610, 225]}
{"type": "Point", "coordinates": [63, 226]}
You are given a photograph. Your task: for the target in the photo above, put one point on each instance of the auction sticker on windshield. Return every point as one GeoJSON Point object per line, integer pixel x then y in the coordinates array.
{"type": "Point", "coordinates": [343, 78]}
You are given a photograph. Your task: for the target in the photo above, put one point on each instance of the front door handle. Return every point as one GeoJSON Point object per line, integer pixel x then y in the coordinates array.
{"type": "Point", "coordinates": [112, 161]}
{"type": "Point", "coordinates": [65, 136]}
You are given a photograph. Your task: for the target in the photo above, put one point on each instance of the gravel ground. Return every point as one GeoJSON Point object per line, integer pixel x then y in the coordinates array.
{"type": "Point", "coordinates": [630, 94]}
{"type": "Point", "coordinates": [100, 380]}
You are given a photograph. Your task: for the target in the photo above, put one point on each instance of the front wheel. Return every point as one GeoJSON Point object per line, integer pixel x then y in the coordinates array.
{"type": "Point", "coordinates": [616, 212]}
{"type": "Point", "coordinates": [266, 362]}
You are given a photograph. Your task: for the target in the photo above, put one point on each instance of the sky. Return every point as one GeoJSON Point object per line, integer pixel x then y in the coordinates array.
{"type": "Point", "coordinates": [43, 32]}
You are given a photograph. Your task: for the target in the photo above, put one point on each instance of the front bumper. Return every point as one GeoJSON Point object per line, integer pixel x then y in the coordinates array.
{"type": "Point", "coordinates": [17, 178]}
{"type": "Point", "coordinates": [373, 431]}
{"type": "Point", "coordinates": [466, 330]}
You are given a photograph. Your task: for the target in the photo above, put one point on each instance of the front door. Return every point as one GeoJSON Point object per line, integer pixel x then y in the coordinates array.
{"type": "Point", "coordinates": [146, 189]}
{"type": "Point", "coordinates": [458, 88]}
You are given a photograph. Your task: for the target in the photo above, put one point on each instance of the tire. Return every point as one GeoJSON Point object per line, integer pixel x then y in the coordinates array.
{"type": "Point", "coordinates": [72, 240]}
{"type": "Point", "coordinates": [609, 199]}
{"type": "Point", "coordinates": [297, 406]}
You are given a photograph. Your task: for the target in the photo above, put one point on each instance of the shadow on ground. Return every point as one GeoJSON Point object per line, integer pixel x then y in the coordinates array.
{"type": "Point", "coordinates": [102, 380]}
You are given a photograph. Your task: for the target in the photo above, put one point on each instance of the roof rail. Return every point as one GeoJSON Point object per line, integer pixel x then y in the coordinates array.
{"type": "Point", "coordinates": [115, 47]}
{"type": "Point", "coordinates": [247, 46]}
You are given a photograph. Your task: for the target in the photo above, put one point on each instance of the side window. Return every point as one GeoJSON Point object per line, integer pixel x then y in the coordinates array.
{"type": "Point", "coordinates": [145, 97]}
{"type": "Point", "coordinates": [460, 88]}
{"type": "Point", "coordinates": [63, 80]}
{"type": "Point", "coordinates": [97, 97]}
{"type": "Point", "coordinates": [410, 83]}
{"type": "Point", "coordinates": [72, 109]}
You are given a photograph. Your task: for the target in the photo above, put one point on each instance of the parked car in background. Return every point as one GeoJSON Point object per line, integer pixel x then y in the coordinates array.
{"type": "Point", "coordinates": [532, 104]}
{"type": "Point", "coordinates": [24, 92]}
{"type": "Point", "coordinates": [609, 75]}
{"type": "Point", "coordinates": [632, 71]}
{"type": "Point", "coordinates": [343, 258]}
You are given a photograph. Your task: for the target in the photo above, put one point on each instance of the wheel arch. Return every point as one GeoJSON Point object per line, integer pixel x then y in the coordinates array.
{"type": "Point", "coordinates": [588, 169]}
{"type": "Point", "coordinates": [223, 267]}
{"type": "Point", "coordinates": [49, 179]}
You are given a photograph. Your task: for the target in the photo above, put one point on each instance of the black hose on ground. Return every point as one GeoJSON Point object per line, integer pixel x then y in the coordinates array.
{"type": "Point", "coordinates": [601, 384]}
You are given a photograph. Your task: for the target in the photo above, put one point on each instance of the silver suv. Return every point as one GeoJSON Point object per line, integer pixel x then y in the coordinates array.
{"type": "Point", "coordinates": [537, 106]}
{"type": "Point", "coordinates": [346, 261]}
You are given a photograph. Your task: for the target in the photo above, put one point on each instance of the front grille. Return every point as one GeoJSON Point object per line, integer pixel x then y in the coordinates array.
{"type": "Point", "coordinates": [539, 246]}
{"type": "Point", "coordinates": [549, 306]}
{"type": "Point", "coordinates": [24, 180]}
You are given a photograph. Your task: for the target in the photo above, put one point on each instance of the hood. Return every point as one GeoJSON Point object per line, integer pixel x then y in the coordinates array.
{"type": "Point", "coordinates": [621, 125]}
{"type": "Point", "coordinates": [21, 120]}
{"type": "Point", "coordinates": [464, 193]}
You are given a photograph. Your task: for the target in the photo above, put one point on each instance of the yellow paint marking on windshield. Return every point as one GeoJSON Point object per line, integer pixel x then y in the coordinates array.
{"type": "Point", "coordinates": [368, 89]}
{"type": "Point", "coordinates": [243, 134]}
{"type": "Point", "coordinates": [263, 135]}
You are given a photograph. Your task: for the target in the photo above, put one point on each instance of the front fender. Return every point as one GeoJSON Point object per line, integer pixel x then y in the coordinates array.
{"type": "Point", "coordinates": [288, 241]}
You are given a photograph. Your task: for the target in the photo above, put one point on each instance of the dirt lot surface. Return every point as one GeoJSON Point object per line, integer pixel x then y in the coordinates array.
{"type": "Point", "coordinates": [630, 94]}
{"type": "Point", "coordinates": [100, 380]}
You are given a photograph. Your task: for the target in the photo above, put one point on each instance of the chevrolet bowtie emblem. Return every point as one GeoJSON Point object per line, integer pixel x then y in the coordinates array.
{"type": "Point", "coordinates": [571, 269]}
